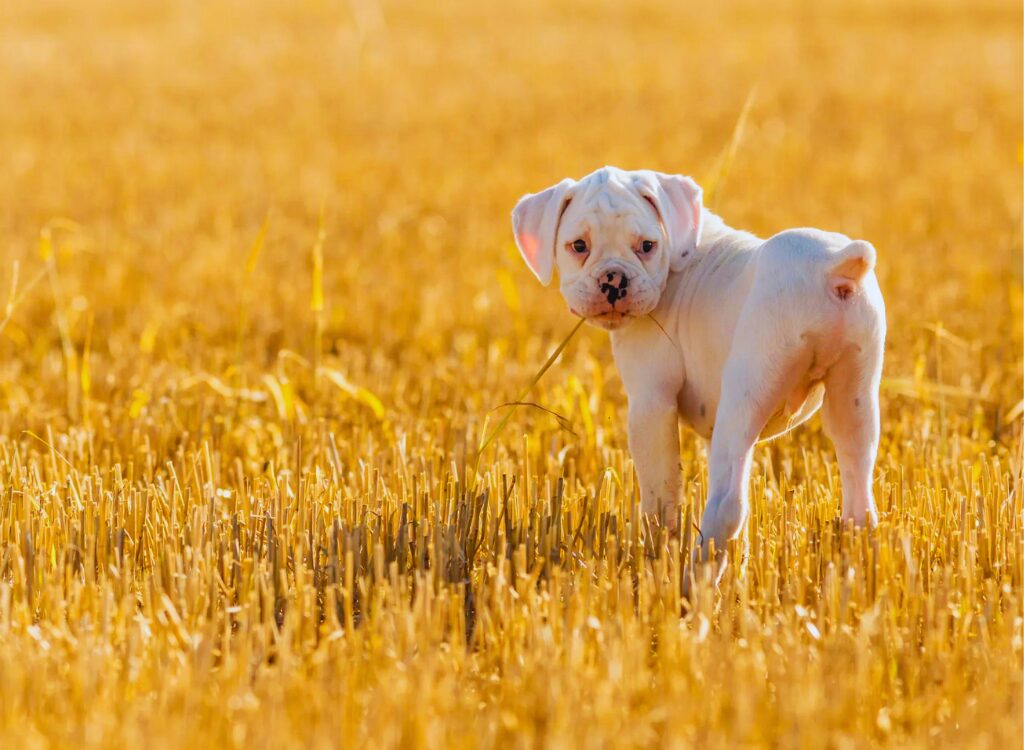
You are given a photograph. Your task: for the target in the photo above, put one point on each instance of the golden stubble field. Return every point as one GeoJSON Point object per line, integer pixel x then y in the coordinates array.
{"type": "Point", "coordinates": [266, 300]}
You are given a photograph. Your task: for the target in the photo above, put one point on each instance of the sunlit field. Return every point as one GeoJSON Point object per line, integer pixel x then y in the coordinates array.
{"type": "Point", "coordinates": [263, 306]}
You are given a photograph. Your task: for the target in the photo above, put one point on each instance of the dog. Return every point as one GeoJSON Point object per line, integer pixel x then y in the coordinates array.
{"type": "Point", "coordinates": [740, 338]}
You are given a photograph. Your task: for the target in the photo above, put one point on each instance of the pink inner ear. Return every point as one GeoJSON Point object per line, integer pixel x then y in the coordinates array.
{"type": "Point", "coordinates": [530, 245]}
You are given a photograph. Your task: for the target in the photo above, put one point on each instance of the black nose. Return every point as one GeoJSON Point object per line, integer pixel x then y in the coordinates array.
{"type": "Point", "coordinates": [613, 286]}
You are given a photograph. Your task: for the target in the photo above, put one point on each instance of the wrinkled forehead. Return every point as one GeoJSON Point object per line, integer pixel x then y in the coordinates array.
{"type": "Point", "coordinates": [605, 201]}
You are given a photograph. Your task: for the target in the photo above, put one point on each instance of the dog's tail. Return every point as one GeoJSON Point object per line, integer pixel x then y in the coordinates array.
{"type": "Point", "coordinates": [849, 266]}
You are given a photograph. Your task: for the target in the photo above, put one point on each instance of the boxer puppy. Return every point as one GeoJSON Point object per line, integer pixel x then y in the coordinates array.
{"type": "Point", "coordinates": [740, 338]}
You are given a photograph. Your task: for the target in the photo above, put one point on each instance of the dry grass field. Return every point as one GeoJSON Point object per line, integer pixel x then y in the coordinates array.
{"type": "Point", "coordinates": [265, 303]}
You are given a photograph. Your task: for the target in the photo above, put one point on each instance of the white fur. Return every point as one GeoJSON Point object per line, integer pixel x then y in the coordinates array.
{"type": "Point", "coordinates": [740, 338]}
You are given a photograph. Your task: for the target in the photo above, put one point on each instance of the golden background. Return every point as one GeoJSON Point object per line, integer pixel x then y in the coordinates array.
{"type": "Point", "coordinates": [264, 297]}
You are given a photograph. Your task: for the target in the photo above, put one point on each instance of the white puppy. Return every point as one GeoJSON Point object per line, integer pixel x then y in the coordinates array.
{"type": "Point", "coordinates": [739, 337]}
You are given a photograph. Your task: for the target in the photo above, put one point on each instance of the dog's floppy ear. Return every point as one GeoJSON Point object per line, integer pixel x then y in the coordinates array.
{"type": "Point", "coordinates": [535, 223]}
{"type": "Point", "coordinates": [679, 203]}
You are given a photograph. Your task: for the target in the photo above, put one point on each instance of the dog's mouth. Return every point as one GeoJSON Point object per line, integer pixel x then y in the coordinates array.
{"type": "Point", "coordinates": [611, 315]}
{"type": "Point", "coordinates": [610, 320]}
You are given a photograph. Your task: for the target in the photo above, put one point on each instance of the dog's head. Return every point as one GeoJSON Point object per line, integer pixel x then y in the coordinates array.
{"type": "Point", "coordinates": [614, 236]}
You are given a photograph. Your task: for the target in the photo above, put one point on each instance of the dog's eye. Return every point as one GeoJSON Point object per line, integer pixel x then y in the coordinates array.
{"type": "Point", "coordinates": [647, 246]}
{"type": "Point", "coordinates": [579, 246]}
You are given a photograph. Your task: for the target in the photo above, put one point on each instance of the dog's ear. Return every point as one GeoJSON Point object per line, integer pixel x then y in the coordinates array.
{"type": "Point", "coordinates": [679, 203]}
{"type": "Point", "coordinates": [535, 223]}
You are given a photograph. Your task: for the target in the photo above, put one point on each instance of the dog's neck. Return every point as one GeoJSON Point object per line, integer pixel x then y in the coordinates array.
{"type": "Point", "coordinates": [721, 249]}
{"type": "Point", "coordinates": [719, 261]}
{"type": "Point", "coordinates": [717, 237]}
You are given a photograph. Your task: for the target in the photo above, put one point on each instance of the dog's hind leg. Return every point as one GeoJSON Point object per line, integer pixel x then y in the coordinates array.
{"type": "Point", "coordinates": [850, 416]}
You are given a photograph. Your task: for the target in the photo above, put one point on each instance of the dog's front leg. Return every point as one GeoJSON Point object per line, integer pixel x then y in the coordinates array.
{"type": "Point", "coordinates": [654, 445]}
